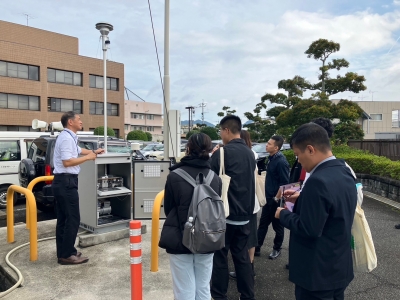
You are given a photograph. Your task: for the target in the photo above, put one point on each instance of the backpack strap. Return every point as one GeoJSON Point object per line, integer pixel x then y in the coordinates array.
{"type": "Point", "coordinates": [186, 176]}
{"type": "Point", "coordinates": [209, 178]}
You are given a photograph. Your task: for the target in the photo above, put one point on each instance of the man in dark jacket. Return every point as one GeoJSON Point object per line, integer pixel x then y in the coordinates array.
{"type": "Point", "coordinates": [277, 175]}
{"type": "Point", "coordinates": [320, 256]}
{"type": "Point", "coordinates": [240, 166]}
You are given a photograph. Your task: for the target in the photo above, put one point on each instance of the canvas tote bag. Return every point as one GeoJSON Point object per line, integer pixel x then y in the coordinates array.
{"type": "Point", "coordinates": [362, 245]}
{"type": "Point", "coordinates": [260, 187]}
{"type": "Point", "coordinates": [225, 182]}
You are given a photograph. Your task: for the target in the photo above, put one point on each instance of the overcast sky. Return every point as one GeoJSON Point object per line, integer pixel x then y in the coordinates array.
{"type": "Point", "coordinates": [229, 52]}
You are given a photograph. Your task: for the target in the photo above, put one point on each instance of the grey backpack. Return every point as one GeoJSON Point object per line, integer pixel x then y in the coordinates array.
{"type": "Point", "coordinates": [206, 231]}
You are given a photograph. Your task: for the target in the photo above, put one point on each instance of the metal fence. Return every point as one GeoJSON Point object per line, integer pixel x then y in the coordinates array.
{"type": "Point", "coordinates": [387, 148]}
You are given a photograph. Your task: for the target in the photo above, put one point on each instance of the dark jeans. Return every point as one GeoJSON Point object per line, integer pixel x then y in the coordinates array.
{"type": "Point", "coordinates": [303, 294]}
{"type": "Point", "coordinates": [236, 237]}
{"type": "Point", "coordinates": [268, 217]}
{"type": "Point", "coordinates": [65, 189]}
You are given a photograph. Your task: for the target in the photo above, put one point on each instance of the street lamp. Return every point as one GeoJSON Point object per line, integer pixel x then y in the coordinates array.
{"type": "Point", "coordinates": [104, 29]}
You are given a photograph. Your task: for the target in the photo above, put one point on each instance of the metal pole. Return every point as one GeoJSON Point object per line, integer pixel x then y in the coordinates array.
{"type": "Point", "coordinates": [103, 37]}
{"type": "Point", "coordinates": [166, 82]}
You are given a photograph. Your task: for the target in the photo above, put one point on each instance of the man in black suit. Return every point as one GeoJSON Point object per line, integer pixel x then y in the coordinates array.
{"type": "Point", "coordinates": [321, 263]}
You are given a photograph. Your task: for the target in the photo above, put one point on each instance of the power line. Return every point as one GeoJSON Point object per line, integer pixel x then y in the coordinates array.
{"type": "Point", "coordinates": [126, 89]}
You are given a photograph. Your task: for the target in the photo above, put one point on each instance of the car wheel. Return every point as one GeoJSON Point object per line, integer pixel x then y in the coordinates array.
{"type": "Point", "coordinates": [46, 208]}
{"type": "Point", "coordinates": [3, 197]}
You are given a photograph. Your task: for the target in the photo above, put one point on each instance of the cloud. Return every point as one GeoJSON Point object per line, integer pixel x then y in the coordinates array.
{"type": "Point", "coordinates": [396, 2]}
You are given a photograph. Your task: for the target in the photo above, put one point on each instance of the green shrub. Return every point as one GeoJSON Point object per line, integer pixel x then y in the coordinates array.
{"type": "Point", "coordinates": [100, 131]}
{"type": "Point", "coordinates": [149, 136]}
{"type": "Point", "coordinates": [361, 161]}
{"type": "Point", "coordinates": [137, 135]}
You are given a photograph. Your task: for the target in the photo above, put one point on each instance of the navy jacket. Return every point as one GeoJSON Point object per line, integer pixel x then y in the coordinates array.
{"type": "Point", "coordinates": [277, 175]}
{"type": "Point", "coordinates": [239, 165]}
{"type": "Point", "coordinates": [320, 229]}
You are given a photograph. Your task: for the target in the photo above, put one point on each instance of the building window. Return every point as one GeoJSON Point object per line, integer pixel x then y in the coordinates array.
{"type": "Point", "coordinates": [376, 117]}
{"type": "Point", "coordinates": [96, 108]}
{"type": "Point", "coordinates": [64, 105]}
{"type": "Point", "coordinates": [97, 82]}
{"type": "Point", "coordinates": [116, 131]}
{"type": "Point", "coordinates": [16, 70]}
{"type": "Point", "coordinates": [22, 102]}
{"type": "Point", "coordinates": [65, 77]}
{"type": "Point", "coordinates": [150, 128]}
{"type": "Point", "coordinates": [127, 127]}
{"type": "Point", "coordinates": [137, 116]}
{"type": "Point", "coordinates": [150, 117]}
{"type": "Point", "coordinates": [17, 128]}
{"type": "Point", "coordinates": [395, 118]}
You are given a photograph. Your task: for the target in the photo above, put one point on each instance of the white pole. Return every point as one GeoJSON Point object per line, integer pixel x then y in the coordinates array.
{"type": "Point", "coordinates": [166, 82]}
{"type": "Point", "coordinates": [105, 89]}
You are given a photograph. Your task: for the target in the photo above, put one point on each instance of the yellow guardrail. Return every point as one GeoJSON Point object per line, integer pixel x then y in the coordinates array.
{"type": "Point", "coordinates": [30, 187]}
{"type": "Point", "coordinates": [31, 202]}
{"type": "Point", "coordinates": [155, 223]}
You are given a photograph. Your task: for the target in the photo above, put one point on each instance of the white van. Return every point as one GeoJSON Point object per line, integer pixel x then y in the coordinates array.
{"type": "Point", "coordinates": [14, 146]}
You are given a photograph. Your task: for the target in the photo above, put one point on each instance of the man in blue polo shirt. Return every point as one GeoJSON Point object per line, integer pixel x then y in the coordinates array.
{"type": "Point", "coordinates": [65, 188]}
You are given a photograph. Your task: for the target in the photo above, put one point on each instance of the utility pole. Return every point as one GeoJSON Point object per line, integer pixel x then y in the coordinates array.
{"type": "Point", "coordinates": [191, 110]}
{"type": "Point", "coordinates": [166, 82]}
{"type": "Point", "coordinates": [202, 105]}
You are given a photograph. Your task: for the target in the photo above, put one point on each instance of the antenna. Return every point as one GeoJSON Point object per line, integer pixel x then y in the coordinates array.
{"type": "Point", "coordinates": [28, 16]}
{"type": "Point", "coordinates": [351, 97]}
{"type": "Point", "coordinates": [372, 94]}
{"type": "Point", "coordinates": [362, 97]}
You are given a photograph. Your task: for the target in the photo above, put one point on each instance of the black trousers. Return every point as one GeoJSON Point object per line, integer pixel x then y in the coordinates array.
{"type": "Point", "coordinates": [236, 237]}
{"type": "Point", "coordinates": [65, 190]}
{"type": "Point", "coordinates": [303, 294]}
{"type": "Point", "coordinates": [268, 217]}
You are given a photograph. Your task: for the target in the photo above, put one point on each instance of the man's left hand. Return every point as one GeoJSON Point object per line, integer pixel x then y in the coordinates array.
{"type": "Point", "coordinates": [99, 151]}
{"type": "Point", "coordinates": [278, 212]}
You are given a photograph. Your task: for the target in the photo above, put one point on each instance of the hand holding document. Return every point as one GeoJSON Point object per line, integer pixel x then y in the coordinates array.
{"type": "Point", "coordinates": [288, 194]}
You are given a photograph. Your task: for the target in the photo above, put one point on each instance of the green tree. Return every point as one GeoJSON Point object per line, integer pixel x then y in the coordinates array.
{"type": "Point", "coordinates": [226, 110]}
{"type": "Point", "coordinates": [260, 129]}
{"type": "Point", "coordinates": [211, 132]}
{"type": "Point", "coordinates": [190, 133]}
{"type": "Point", "coordinates": [137, 135]}
{"type": "Point", "coordinates": [345, 131]}
{"type": "Point", "coordinates": [149, 136]}
{"type": "Point", "coordinates": [100, 131]}
{"type": "Point", "coordinates": [352, 82]}
{"type": "Point", "coordinates": [201, 125]}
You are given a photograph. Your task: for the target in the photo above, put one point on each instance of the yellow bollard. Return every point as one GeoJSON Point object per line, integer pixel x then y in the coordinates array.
{"type": "Point", "coordinates": [10, 215]}
{"type": "Point", "coordinates": [30, 187]}
{"type": "Point", "coordinates": [155, 223]}
{"type": "Point", "coordinates": [31, 203]}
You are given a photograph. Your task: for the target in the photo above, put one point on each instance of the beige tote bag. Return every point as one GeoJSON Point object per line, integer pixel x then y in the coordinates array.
{"type": "Point", "coordinates": [260, 187]}
{"type": "Point", "coordinates": [225, 181]}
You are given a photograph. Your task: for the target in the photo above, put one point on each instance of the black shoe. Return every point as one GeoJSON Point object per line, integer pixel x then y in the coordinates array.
{"type": "Point", "coordinates": [257, 251]}
{"type": "Point", "coordinates": [287, 266]}
{"type": "Point", "coordinates": [252, 267]}
{"type": "Point", "coordinates": [232, 275]}
{"type": "Point", "coordinates": [274, 254]}
{"type": "Point", "coordinates": [397, 226]}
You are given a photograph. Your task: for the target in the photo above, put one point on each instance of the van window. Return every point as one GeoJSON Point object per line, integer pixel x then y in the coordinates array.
{"type": "Point", "coordinates": [38, 149]}
{"type": "Point", "coordinates": [86, 145]}
{"type": "Point", "coordinates": [10, 151]}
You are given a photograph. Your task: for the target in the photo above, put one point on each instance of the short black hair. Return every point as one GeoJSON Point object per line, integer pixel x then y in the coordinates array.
{"type": "Point", "coordinates": [278, 140]}
{"type": "Point", "coordinates": [232, 122]}
{"type": "Point", "coordinates": [199, 145]}
{"type": "Point", "coordinates": [69, 115]}
{"type": "Point", "coordinates": [311, 134]}
{"type": "Point", "coordinates": [326, 124]}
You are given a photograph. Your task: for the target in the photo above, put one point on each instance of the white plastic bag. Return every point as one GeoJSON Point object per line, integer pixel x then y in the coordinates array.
{"type": "Point", "coordinates": [225, 182]}
{"type": "Point", "coordinates": [362, 245]}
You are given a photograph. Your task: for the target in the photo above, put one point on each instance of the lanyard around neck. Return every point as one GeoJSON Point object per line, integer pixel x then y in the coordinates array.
{"type": "Point", "coordinates": [76, 143]}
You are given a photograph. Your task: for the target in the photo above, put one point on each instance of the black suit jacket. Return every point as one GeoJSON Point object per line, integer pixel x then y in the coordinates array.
{"type": "Point", "coordinates": [320, 229]}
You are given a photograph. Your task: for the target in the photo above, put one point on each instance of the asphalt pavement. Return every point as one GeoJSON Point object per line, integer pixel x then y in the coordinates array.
{"type": "Point", "coordinates": [107, 275]}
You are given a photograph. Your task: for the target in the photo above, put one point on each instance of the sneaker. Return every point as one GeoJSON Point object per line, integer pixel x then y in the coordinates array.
{"type": "Point", "coordinates": [232, 275]}
{"type": "Point", "coordinates": [257, 251]}
{"type": "Point", "coordinates": [274, 254]}
{"type": "Point", "coordinates": [397, 226]}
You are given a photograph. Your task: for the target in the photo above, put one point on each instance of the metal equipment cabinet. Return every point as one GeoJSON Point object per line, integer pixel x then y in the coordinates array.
{"type": "Point", "coordinates": [117, 214]}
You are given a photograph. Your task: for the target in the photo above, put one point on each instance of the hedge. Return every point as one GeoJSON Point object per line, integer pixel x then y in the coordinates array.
{"type": "Point", "coordinates": [361, 161]}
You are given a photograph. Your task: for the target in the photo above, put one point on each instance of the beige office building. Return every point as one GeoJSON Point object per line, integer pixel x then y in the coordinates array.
{"type": "Point", "coordinates": [379, 117]}
{"type": "Point", "coordinates": [144, 116]}
{"type": "Point", "coordinates": [42, 75]}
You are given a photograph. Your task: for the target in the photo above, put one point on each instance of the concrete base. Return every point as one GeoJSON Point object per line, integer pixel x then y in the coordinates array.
{"type": "Point", "coordinates": [3, 215]}
{"type": "Point", "coordinates": [91, 239]}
